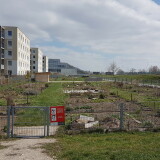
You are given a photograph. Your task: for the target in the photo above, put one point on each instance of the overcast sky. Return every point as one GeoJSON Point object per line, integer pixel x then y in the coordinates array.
{"type": "Point", "coordinates": [90, 34]}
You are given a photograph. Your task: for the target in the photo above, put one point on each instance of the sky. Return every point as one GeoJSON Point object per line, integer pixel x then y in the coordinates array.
{"type": "Point", "coordinates": [90, 34]}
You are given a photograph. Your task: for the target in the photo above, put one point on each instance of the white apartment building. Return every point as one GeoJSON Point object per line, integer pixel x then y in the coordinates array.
{"type": "Point", "coordinates": [36, 60]}
{"type": "Point", "coordinates": [17, 52]}
{"type": "Point", "coordinates": [45, 64]}
{"type": "Point", "coordinates": [1, 51]}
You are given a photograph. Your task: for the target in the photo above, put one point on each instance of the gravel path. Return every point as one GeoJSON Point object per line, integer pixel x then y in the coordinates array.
{"type": "Point", "coordinates": [25, 149]}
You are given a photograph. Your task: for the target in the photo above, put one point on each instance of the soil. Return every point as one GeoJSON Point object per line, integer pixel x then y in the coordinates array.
{"type": "Point", "coordinates": [100, 108]}
{"type": "Point", "coordinates": [25, 149]}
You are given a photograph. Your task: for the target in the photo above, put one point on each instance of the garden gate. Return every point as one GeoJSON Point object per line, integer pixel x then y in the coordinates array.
{"type": "Point", "coordinates": [27, 121]}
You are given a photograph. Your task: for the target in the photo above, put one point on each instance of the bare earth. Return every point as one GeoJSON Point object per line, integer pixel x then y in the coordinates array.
{"type": "Point", "coordinates": [25, 149]}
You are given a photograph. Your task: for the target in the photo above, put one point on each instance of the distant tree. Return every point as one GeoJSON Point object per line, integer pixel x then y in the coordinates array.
{"type": "Point", "coordinates": [113, 68]}
{"type": "Point", "coordinates": [142, 71]}
{"type": "Point", "coordinates": [120, 72]}
{"type": "Point", "coordinates": [132, 70]}
{"type": "Point", "coordinates": [154, 69]}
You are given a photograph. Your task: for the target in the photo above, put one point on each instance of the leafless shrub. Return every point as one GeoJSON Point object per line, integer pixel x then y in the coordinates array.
{"type": "Point", "coordinates": [10, 101]}
{"type": "Point", "coordinates": [119, 84]}
{"type": "Point", "coordinates": [101, 96]}
{"type": "Point", "coordinates": [75, 94]}
{"type": "Point", "coordinates": [30, 92]}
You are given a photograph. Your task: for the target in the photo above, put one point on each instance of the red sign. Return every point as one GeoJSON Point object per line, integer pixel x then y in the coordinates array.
{"type": "Point", "coordinates": [57, 114]}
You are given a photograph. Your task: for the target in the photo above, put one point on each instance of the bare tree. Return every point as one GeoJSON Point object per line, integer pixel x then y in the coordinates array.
{"type": "Point", "coordinates": [113, 68]}
{"type": "Point", "coordinates": [142, 71]}
{"type": "Point", "coordinates": [132, 70]}
{"type": "Point", "coordinates": [154, 69]}
{"type": "Point", "coordinates": [120, 72]}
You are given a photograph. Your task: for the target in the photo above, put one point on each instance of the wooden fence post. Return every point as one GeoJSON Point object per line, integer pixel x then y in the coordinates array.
{"type": "Point", "coordinates": [121, 105]}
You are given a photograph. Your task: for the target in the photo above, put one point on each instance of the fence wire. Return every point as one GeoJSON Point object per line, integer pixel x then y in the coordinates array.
{"type": "Point", "coordinates": [3, 120]}
{"type": "Point", "coordinates": [33, 121]}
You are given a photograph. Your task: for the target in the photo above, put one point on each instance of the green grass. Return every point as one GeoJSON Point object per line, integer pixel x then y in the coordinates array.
{"type": "Point", "coordinates": [30, 117]}
{"type": "Point", "coordinates": [141, 95]}
{"type": "Point", "coordinates": [68, 79]}
{"type": "Point", "coordinates": [2, 147]}
{"type": "Point", "coordinates": [112, 146]}
{"type": "Point", "coordinates": [3, 102]}
{"type": "Point", "coordinates": [51, 96]}
{"type": "Point", "coordinates": [133, 77]}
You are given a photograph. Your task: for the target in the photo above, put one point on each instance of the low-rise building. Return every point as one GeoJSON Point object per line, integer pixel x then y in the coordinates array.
{"type": "Point", "coordinates": [42, 77]}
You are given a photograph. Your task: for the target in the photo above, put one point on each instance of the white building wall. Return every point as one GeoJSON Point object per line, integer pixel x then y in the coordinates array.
{"type": "Point", "coordinates": [36, 60]}
{"type": "Point", "coordinates": [20, 51]}
{"type": "Point", "coordinates": [40, 61]}
{"type": "Point", "coordinates": [45, 64]}
{"type": "Point", "coordinates": [23, 53]}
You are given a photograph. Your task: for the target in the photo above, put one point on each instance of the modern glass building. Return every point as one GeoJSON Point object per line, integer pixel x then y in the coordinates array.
{"type": "Point", "coordinates": [56, 66]}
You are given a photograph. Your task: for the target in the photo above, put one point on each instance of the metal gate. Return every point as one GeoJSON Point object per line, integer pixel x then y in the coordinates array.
{"type": "Point", "coordinates": [28, 121]}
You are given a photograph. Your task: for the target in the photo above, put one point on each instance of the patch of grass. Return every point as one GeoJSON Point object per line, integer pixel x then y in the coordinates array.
{"type": "Point", "coordinates": [147, 77]}
{"type": "Point", "coordinates": [51, 96]}
{"type": "Point", "coordinates": [2, 147]}
{"type": "Point", "coordinates": [68, 79]}
{"type": "Point", "coordinates": [2, 102]}
{"type": "Point", "coordinates": [30, 117]}
{"type": "Point", "coordinates": [112, 146]}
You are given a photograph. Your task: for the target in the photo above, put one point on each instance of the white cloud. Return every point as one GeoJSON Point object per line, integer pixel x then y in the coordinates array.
{"type": "Point", "coordinates": [105, 30]}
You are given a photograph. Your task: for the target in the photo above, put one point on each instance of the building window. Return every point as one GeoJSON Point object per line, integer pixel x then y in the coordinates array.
{"type": "Point", "coordinates": [10, 63]}
{"type": "Point", "coordinates": [34, 62]}
{"type": "Point", "coordinates": [9, 33]}
{"type": "Point", "coordinates": [34, 57]}
{"type": "Point", "coordinates": [10, 43]}
{"type": "Point", "coordinates": [34, 67]}
{"type": "Point", "coordinates": [9, 53]}
{"type": "Point", "coordinates": [33, 51]}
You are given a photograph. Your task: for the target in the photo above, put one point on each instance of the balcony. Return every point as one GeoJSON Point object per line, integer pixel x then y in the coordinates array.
{"type": "Point", "coordinates": [2, 33]}
{"type": "Point", "coordinates": [2, 66]}
{"type": "Point", "coordinates": [2, 56]}
{"type": "Point", "coordinates": [2, 45]}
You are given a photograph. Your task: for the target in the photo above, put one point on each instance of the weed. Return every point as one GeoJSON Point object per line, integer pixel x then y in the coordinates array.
{"type": "Point", "coordinates": [101, 96]}
{"type": "Point", "coordinates": [130, 146]}
{"type": "Point", "coordinates": [147, 124]}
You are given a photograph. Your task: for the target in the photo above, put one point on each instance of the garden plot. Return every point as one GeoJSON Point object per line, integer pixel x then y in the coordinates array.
{"type": "Point", "coordinates": [19, 93]}
{"type": "Point", "coordinates": [104, 102]}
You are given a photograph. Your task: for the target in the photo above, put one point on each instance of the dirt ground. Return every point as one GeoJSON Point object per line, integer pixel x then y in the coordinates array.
{"type": "Point", "coordinates": [104, 102]}
{"type": "Point", "coordinates": [25, 149]}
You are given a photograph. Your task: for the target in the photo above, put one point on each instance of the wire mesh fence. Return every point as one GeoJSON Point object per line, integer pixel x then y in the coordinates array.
{"type": "Point", "coordinates": [27, 121]}
{"type": "Point", "coordinates": [144, 82]}
{"type": "Point", "coordinates": [113, 117]}
{"type": "Point", "coordinates": [3, 120]}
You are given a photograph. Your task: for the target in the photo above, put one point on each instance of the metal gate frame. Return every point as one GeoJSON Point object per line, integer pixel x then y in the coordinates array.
{"type": "Point", "coordinates": [11, 120]}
